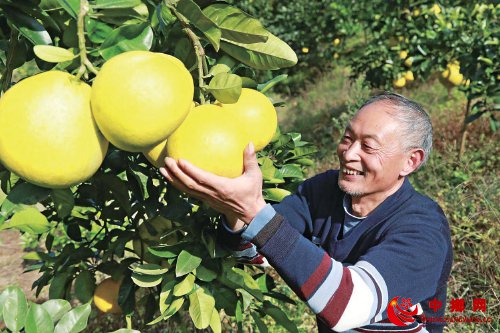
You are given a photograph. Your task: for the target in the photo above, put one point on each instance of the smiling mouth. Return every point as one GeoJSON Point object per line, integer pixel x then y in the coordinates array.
{"type": "Point", "coordinates": [352, 172]}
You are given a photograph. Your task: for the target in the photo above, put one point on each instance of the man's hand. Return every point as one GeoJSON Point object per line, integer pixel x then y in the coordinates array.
{"type": "Point", "coordinates": [238, 198]}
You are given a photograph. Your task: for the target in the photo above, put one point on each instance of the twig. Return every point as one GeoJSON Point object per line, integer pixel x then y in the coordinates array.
{"type": "Point", "coordinates": [200, 51]}
{"type": "Point", "coordinates": [84, 61]}
{"type": "Point", "coordinates": [7, 74]}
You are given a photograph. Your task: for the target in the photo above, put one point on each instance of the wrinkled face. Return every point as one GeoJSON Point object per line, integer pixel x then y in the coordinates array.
{"type": "Point", "coordinates": [370, 153]}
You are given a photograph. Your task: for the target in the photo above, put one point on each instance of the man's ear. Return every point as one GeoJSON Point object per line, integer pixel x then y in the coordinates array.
{"type": "Point", "coordinates": [414, 158]}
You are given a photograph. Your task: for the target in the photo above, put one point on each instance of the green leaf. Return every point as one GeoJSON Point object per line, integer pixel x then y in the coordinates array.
{"type": "Point", "coordinates": [290, 171]}
{"type": "Point", "coordinates": [51, 53]}
{"type": "Point", "coordinates": [72, 7]}
{"type": "Point", "coordinates": [201, 307]}
{"type": "Point", "coordinates": [167, 251]}
{"type": "Point", "coordinates": [101, 4]}
{"type": "Point", "coordinates": [225, 87]}
{"type": "Point", "coordinates": [56, 308]}
{"type": "Point", "coordinates": [84, 286]}
{"type": "Point", "coordinates": [118, 188]}
{"type": "Point", "coordinates": [215, 322]}
{"type": "Point", "coordinates": [58, 285]}
{"type": "Point", "coordinates": [38, 320]}
{"type": "Point", "coordinates": [280, 317]}
{"type": "Point", "coordinates": [74, 321]}
{"type": "Point", "coordinates": [275, 194]}
{"type": "Point", "coordinates": [164, 16]}
{"type": "Point", "coordinates": [205, 274]}
{"type": "Point", "coordinates": [28, 220]}
{"type": "Point", "coordinates": [126, 330]}
{"type": "Point", "coordinates": [15, 309]}
{"type": "Point", "coordinates": [186, 263]}
{"type": "Point", "coordinates": [97, 31]}
{"type": "Point", "coordinates": [127, 38]}
{"type": "Point", "coordinates": [305, 161]}
{"type": "Point", "coordinates": [166, 295]}
{"type": "Point", "coordinates": [259, 322]}
{"type": "Point", "coordinates": [235, 24]}
{"type": "Point", "coordinates": [185, 286]}
{"type": "Point", "coordinates": [219, 68]}
{"type": "Point", "coordinates": [28, 26]}
{"type": "Point", "coordinates": [150, 269]}
{"type": "Point", "coordinates": [195, 16]}
{"type": "Point", "coordinates": [23, 194]}
{"type": "Point", "coordinates": [267, 167]}
{"type": "Point", "coordinates": [146, 281]}
{"type": "Point", "coordinates": [272, 54]}
{"type": "Point", "coordinates": [264, 87]}
{"type": "Point", "coordinates": [249, 284]}
{"type": "Point", "coordinates": [64, 202]}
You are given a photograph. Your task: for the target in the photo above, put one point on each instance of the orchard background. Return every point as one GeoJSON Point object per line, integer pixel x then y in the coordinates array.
{"type": "Point", "coordinates": [317, 61]}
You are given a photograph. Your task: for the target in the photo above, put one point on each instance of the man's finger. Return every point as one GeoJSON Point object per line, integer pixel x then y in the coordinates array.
{"type": "Point", "coordinates": [183, 188]}
{"type": "Point", "coordinates": [203, 177]}
{"type": "Point", "coordinates": [174, 170]}
{"type": "Point", "coordinates": [250, 163]}
{"type": "Point", "coordinates": [165, 174]}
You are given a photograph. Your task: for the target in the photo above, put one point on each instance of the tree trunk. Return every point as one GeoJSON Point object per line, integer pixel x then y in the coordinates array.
{"type": "Point", "coordinates": [463, 133]}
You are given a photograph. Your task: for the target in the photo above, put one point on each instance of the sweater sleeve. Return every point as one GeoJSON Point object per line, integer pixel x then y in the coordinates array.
{"type": "Point", "coordinates": [346, 297]}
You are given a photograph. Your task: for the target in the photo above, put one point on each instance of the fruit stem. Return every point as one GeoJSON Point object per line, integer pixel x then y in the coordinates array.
{"type": "Point", "coordinates": [7, 74]}
{"type": "Point", "coordinates": [200, 51]}
{"type": "Point", "coordinates": [128, 319]}
{"type": "Point", "coordinates": [84, 61]}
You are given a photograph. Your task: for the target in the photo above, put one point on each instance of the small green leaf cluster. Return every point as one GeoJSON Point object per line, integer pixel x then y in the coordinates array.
{"type": "Point", "coordinates": [52, 316]}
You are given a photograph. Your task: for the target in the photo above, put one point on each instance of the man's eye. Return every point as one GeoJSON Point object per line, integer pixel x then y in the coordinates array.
{"type": "Point", "coordinates": [367, 146]}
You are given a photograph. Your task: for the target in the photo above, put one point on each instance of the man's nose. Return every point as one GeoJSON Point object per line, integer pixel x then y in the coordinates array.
{"type": "Point", "coordinates": [352, 152]}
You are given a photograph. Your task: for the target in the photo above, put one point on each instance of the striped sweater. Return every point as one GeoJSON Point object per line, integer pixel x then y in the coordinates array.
{"type": "Point", "coordinates": [403, 248]}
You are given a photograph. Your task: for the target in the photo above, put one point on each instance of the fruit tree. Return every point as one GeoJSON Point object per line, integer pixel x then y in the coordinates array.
{"type": "Point", "coordinates": [113, 87]}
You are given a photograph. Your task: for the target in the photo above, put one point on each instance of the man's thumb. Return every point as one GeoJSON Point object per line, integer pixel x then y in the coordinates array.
{"type": "Point", "coordinates": [249, 159]}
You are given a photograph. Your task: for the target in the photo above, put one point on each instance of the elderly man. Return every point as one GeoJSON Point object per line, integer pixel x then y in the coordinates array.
{"type": "Point", "coordinates": [365, 250]}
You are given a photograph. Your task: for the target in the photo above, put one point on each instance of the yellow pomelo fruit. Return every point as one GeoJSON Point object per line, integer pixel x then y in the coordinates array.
{"type": "Point", "coordinates": [150, 234]}
{"type": "Point", "coordinates": [408, 62]}
{"type": "Point", "coordinates": [156, 155]}
{"type": "Point", "coordinates": [409, 76]}
{"type": "Point", "coordinates": [452, 75]}
{"type": "Point", "coordinates": [336, 41]}
{"type": "Point", "coordinates": [106, 296]}
{"type": "Point", "coordinates": [305, 50]}
{"type": "Point", "coordinates": [139, 98]}
{"type": "Point", "coordinates": [399, 82]}
{"type": "Point", "coordinates": [48, 136]}
{"type": "Point", "coordinates": [435, 9]}
{"type": "Point", "coordinates": [256, 113]}
{"type": "Point", "coordinates": [212, 139]}
{"type": "Point", "coordinates": [403, 54]}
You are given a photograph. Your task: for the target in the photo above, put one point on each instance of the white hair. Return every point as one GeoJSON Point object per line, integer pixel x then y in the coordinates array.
{"type": "Point", "coordinates": [416, 123]}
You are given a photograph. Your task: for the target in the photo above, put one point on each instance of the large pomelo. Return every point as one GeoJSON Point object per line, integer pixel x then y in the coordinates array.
{"type": "Point", "coordinates": [256, 112]}
{"type": "Point", "coordinates": [141, 97]}
{"type": "Point", "coordinates": [48, 135]}
{"type": "Point", "coordinates": [156, 155]}
{"type": "Point", "coordinates": [212, 139]}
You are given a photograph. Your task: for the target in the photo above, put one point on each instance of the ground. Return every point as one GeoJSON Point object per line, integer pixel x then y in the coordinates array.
{"type": "Point", "coordinates": [11, 261]}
